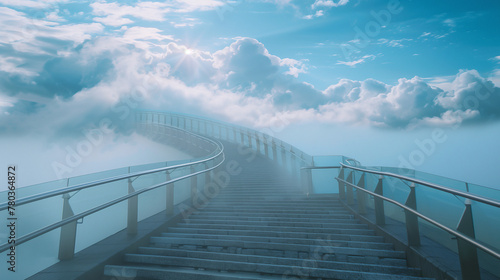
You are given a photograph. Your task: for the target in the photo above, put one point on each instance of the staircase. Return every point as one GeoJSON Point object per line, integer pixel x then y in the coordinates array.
{"type": "Point", "coordinates": [262, 227]}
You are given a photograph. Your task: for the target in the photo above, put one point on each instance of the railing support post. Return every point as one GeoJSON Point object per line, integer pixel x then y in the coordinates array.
{"type": "Point", "coordinates": [379, 203]}
{"type": "Point", "coordinates": [467, 252]}
{"type": "Point", "coordinates": [67, 237]}
{"type": "Point", "coordinates": [249, 139]}
{"type": "Point", "coordinates": [349, 189]}
{"type": "Point", "coordinates": [275, 152]}
{"type": "Point", "coordinates": [207, 178]}
{"type": "Point", "coordinates": [132, 210]}
{"type": "Point", "coordinates": [361, 195]}
{"type": "Point", "coordinates": [283, 156]}
{"type": "Point", "coordinates": [411, 219]}
{"type": "Point", "coordinates": [257, 142]}
{"type": "Point", "coordinates": [341, 184]}
{"type": "Point", "coordinates": [266, 152]}
{"type": "Point", "coordinates": [292, 163]}
{"type": "Point", "coordinates": [170, 196]}
{"type": "Point", "coordinates": [309, 178]}
{"type": "Point", "coordinates": [194, 186]}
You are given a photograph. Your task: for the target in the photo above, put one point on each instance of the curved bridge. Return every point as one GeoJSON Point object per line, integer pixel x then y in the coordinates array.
{"type": "Point", "coordinates": [249, 206]}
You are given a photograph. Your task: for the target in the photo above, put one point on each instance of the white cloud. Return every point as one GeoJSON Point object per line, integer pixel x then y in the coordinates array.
{"type": "Point", "coordinates": [295, 67]}
{"type": "Point", "coordinates": [12, 65]}
{"type": "Point", "coordinates": [329, 3]}
{"type": "Point", "coordinates": [353, 63]}
{"type": "Point", "coordinates": [318, 13]}
{"type": "Point", "coordinates": [32, 4]}
{"type": "Point", "coordinates": [24, 34]}
{"type": "Point", "coordinates": [243, 83]}
{"type": "Point", "coordinates": [115, 14]}
{"type": "Point", "coordinates": [393, 43]}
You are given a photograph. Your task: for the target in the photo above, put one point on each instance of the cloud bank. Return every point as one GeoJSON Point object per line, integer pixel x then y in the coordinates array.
{"type": "Point", "coordinates": [76, 78]}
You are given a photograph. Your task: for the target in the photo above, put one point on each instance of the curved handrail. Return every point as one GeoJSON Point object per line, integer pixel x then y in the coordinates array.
{"type": "Point", "coordinates": [477, 198]}
{"type": "Point", "coordinates": [439, 225]}
{"type": "Point", "coordinates": [249, 132]}
{"type": "Point", "coordinates": [82, 186]}
{"type": "Point", "coordinates": [35, 234]}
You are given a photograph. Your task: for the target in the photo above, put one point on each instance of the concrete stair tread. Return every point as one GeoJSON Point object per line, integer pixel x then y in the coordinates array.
{"type": "Point", "coordinates": [305, 241]}
{"type": "Point", "coordinates": [328, 264]}
{"type": "Point", "coordinates": [262, 268]}
{"type": "Point", "coordinates": [285, 234]}
{"type": "Point", "coordinates": [340, 249]}
{"type": "Point", "coordinates": [152, 272]}
{"type": "Point", "coordinates": [276, 228]}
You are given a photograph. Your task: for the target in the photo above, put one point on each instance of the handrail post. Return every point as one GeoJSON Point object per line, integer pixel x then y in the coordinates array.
{"type": "Point", "coordinates": [67, 237]}
{"type": "Point", "coordinates": [467, 252]}
{"type": "Point", "coordinates": [349, 188]}
{"type": "Point", "coordinates": [361, 195]}
{"type": "Point", "coordinates": [194, 186]}
{"type": "Point", "coordinates": [275, 152]}
{"type": "Point", "coordinates": [307, 180]}
{"type": "Point", "coordinates": [292, 163]}
{"type": "Point", "coordinates": [257, 142]}
{"type": "Point", "coordinates": [170, 195]}
{"type": "Point", "coordinates": [207, 178]}
{"type": "Point", "coordinates": [412, 229]}
{"type": "Point", "coordinates": [132, 210]}
{"type": "Point", "coordinates": [266, 146]}
{"type": "Point", "coordinates": [249, 139]}
{"type": "Point", "coordinates": [379, 203]}
{"type": "Point", "coordinates": [283, 156]}
{"type": "Point", "coordinates": [341, 184]}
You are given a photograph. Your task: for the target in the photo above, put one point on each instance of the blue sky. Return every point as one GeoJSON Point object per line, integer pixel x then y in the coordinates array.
{"type": "Point", "coordinates": [390, 73]}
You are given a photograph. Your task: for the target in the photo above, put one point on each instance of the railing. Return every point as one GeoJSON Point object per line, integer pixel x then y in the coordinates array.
{"type": "Point", "coordinates": [273, 148]}
{"type": "Point", "coordinates": [436, 214]}
{"type": "Point", "coordinates": [103, 203]}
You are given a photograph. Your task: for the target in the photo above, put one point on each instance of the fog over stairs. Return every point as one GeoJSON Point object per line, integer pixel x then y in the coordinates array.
{"type": "Point", "coordinates": [262, 226]}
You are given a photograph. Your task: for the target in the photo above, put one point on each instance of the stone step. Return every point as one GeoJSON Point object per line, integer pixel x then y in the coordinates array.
{"type": "Point", "coordinates": [248, 246]}
{"type": "Point", "coordinates": [282, 202]}
{"type": "Point", "coordinates": [278, 228]}
{"type": "Point", "coordinates": [271, 211]}
{"type": "Point", "coordinates": [281, 234]}
{"type": "Point", "coordinates": [283, 270]}
{"type": "Point", "coordinates": [271, 208]}
{"type": "Point", "coordinates": [379, 268]}
{"type": "Point", "coordinates": [115, 272]}
{"type": "Point", "coordinates": [332, 241]}
{"type": "Point", "coordinates": [317, 219]}
{"type": "Point", "coordinates": [341, 225]}
{"type": "Point", "coordinates": [345, 215]}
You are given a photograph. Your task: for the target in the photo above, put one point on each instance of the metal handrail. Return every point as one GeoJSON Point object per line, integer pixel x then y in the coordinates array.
{"type": "Point", "coordinates": [320, 167]}
{"type": "Point", "coordinates": [76, 217]}
{"type": "Point", "coordinates": [36, 197]}
{"type": "Point", "coordinates": [439, 225]}
{"type": "Point", "coordinates": [477, 198]}
{"type": "Point", "coordinates": [235, 127]}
